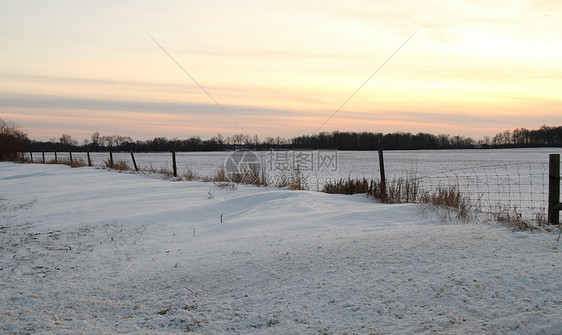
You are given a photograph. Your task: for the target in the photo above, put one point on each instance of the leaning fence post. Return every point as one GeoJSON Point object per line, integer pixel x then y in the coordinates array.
{"type": "Point", "coordinates": [110, 158]}
{"type": "Point", "coordinates": [31, 156]}
{"type": "Point", "coordinates": [383, 177]}
{"type": "Point", "coordinates": [174, 163]}
{"type": "Point", "coordinates": [134, 161]}
{"type": "Point", "coordinates": [554, 205]}
{"type": "Point", "coordinates": [70, 155]}
{"type": "Point", "coordinates": [89, 160]}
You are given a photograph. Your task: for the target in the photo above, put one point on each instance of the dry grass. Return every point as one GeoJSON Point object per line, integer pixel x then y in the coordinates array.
{"type": "Point", "coordinates": [161, 171]}
{"type": "Point", "coordinates": [349, 187]}
{"type": "Point", "coordinates": [118, 165]}
{"type": "Point", "coordinates": [220, 176]}
{"type": "Point", "coordinates": [17, 159]}
{"type": "Point", "coordinates": [75, 163]}
{"type": "Point", "coordinates": [448, 197]}
{"type": "Point", "coordinates": [403, 191]}
{"type": "Point", "coordinates": [514, 219]}
{"type": "Point", "coordinates": [189, 175]}
{"type": "Point", "coordinates": [295, 181]}
{"type": "Point", "coordinates": [290, 182]}
{"type": "Point", "coordinates": [250, 176]}
{"type": "Point", "coordinates": [399, 191]}
{"type": "Point", "coordinates": [244, 177]}
{"type": "Point", "coordinates": [262, 179]}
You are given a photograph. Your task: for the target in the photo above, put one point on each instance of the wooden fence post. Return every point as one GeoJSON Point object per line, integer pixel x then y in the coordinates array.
{"type": "Point", "coordinates": [134, 161]}
{"type": "Point", "coordinates": [31, 156]}
{"type": "Point", "coordinates": [174, 163]}
{"type": "Point", "coordinates": [554, 206]}
{"type": "Point", "coordinates": [70, 155]}
{"type": "Point", "coordinates": [383, 177]}
{"type": "Point", "coordinates": [56, 159]}
{"type": "Point", "coordinates": [89, 160]}
{"type": "Point", "coordinates": [43, 153]}
{"type": "Point", "coordinates": [110, 158]}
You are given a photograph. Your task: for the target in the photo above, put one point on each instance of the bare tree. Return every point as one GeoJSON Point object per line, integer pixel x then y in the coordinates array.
{"type": "Point", "coordinates": [125, 139]}
{"type": "Point", "coordinates": [12, 140]}
{"type": "Point", "coordinates": [106, 141]}
{"type": "Point", "coordinates": [96, 138]}
{"type": "Point", "coordinates": [238, 139]}
{"type": "Point", "coordinates": [66, 140]}
{"type": "Point", "coordinates": [218, 139]}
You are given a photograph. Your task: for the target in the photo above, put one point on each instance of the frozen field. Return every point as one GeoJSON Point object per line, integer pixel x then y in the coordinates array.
{"type": "Point", "coordinates": [94, 251]}
{"type": "Point", "coordinates": [398, 163]}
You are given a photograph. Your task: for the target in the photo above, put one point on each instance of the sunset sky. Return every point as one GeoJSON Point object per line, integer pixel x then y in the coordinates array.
{"type": "Point", "coordinates": [279, 68]}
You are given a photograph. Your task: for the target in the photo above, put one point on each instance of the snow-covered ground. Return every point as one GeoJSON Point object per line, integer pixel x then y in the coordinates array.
{"type": "Point", "coordinates": [95, 251]}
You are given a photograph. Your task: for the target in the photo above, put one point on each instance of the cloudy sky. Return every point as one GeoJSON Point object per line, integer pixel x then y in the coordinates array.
{"type": "Point", "coordinates": [279, 68]}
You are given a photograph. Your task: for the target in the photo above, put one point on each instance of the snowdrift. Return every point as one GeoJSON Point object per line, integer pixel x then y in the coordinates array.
{"type": "Point", "coordinates": [94, 251]}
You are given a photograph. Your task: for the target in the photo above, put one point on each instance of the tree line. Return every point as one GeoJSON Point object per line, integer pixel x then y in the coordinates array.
{"type": "Point", "coordinates": [125, 143]}
{"type": "Point", "coordinates": [520, 137]}
{"type": "Point", "coordinates": [13, 141]}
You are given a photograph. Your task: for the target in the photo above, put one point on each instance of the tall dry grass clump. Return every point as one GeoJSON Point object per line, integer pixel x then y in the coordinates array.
{"type": "Point", "coordinates": [398, 191]}
{"type": "Point", "coordinates": [295, 181]}
{"type": "Point", "coordinates": [249, 175]}
{"type": "Point", "coordinates": [220, 176]}
{"type": "Point", "coordinates": [448, 197]}
{"type": "Point", "coordinates": [511, 217]}
{"type": "Point", "coordinates": [161, 171]}
{"type": "Point", "coordinates": [118, 165]}
{"type": "Point", "coordinates": [349, 186]}
{"type": "Point", "coordinates": [403, 190]}
{"type": "Point", "coordinates": [295, 184]}
{"type": "Point", "coordinates": [246, 176]}
{"type": "Point", "coordinates": [74, 163]}
{"type": "Point", "coordinates": [189, 175]}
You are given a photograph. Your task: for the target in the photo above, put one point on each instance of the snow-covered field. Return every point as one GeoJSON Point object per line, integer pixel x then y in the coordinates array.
{"type": "Point", "coordinates": [355, 164]}
{"type": "Point", "coordinates": [95, 251]}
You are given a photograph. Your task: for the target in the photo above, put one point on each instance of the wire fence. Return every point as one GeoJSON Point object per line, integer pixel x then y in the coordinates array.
{"type": "Point", "coordinates": [521, 187]}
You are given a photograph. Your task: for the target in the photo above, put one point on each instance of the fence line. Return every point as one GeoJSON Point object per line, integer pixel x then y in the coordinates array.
{"type": "Point", "coordinates": [518, 187]}
{"type": "Point", "coordinates": [522, 187]}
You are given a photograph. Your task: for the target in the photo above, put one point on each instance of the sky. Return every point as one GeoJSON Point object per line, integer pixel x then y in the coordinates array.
{"type": "Point", "coordinates": [149, 69]}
